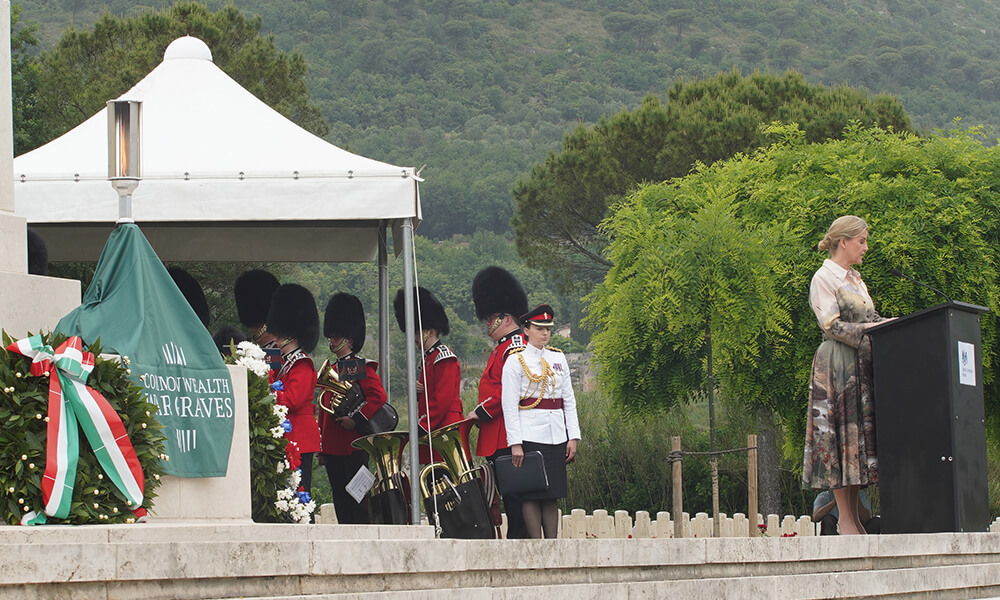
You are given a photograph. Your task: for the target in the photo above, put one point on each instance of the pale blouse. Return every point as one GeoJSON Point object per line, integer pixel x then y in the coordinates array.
{"type": "Point", "coordinates": [841, 302]}
{"type": "Point", "coordinates": [823, 292]}
{"type": "Point", "coordinates": [544, 426]}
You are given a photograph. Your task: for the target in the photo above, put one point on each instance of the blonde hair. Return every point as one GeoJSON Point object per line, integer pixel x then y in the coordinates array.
{"type": "Point", "coordinates": [846, 227]}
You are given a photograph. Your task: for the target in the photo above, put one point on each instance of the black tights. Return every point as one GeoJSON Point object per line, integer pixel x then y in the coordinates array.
{"type": "Point", "coordinates": [541, 516]}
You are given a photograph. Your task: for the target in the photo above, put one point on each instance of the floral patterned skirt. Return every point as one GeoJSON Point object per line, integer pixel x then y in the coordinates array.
{"type": "Point", "coordinates": [840, 427]}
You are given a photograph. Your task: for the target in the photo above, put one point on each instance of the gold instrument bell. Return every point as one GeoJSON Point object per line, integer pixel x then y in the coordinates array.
{"type": "Point", "coordinates": [389, 501]}
{"type": "Point", "coordinates": [333, 391]}
{"type": "Point", "coordinates": [344, 399]}
{"type": "Point", "coordinates": [457, 485]}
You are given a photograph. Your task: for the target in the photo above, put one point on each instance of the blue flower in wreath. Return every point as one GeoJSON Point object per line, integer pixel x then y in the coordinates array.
{"type": "Point", "coordinates": [287, 426]}
{"type": "Point", "coordinates": [304, 497]}
{"type": "Point", "coordinates": [278, 386]}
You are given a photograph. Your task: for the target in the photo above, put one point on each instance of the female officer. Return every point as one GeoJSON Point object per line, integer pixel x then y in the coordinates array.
{"type": "Point", "coordinates": [539, 408]}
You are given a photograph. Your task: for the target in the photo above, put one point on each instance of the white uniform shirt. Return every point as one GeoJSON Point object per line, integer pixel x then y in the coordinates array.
{"type": "Point", "coordinates": [544, 426]}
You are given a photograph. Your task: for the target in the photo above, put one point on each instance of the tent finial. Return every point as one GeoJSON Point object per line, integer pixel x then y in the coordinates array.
{"type": "Point", "coordinates": [187, 47]}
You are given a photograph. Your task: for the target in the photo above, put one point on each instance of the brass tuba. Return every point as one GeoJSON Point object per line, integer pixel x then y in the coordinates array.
{"type": "Point", "coordinates": [461, 496]}
{"type": "Point", "coordinates": [389, 502]}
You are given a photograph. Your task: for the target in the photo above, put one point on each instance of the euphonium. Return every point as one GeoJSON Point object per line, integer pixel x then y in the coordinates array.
{"type": "Point", "coordinates": [342, 398]}
{"type": "Point", "coordinates": [337, 397]}
{"type": "Point", "coordinates": [461, 497]}
{"type": "Point", "coordinates": [389, 502]}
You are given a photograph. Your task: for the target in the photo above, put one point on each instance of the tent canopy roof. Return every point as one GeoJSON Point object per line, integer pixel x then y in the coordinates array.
{"type": "Point", "coordinates": [224, 177]}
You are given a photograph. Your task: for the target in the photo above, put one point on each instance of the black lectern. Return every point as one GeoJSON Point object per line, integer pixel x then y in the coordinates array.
{"type": "Point", "coordinates": [929, 420]}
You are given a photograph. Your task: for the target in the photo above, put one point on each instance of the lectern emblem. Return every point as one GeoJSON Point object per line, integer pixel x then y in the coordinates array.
{"type": "Point", "coordinates": [966, 364]}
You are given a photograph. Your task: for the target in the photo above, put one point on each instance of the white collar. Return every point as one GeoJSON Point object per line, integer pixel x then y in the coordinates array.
{"type": "Point", "coordinates": [841, 273]}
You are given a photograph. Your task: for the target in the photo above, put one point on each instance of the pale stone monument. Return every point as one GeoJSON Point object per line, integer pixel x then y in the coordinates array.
{"type": "Point", "coordinates": [214, 498]}
{"type": "Point", "coordinates": [27, 302]}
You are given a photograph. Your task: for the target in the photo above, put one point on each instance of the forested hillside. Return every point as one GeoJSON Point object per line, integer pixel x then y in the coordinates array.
{"type": "Point", "coordinates": [481, 90]}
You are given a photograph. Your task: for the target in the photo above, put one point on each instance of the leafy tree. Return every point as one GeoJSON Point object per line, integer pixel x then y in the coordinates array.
{"type": "Point", "coordinates": [679, 19]}
{"type": "Point", "coordinates": [87, 68]}
{"type": "Point", "coordinates": [30, 131]}
{"type": "Point", "coordinates": [787, 51]}
{"type": "Point", "coordinates": [697, 44]}
{"type": "Point", "coordinates": [783, 17]}
{"type": "Point", "coordinates": [691, 292]}
{"type": "Point", "coordinates": [932, 205]}
{"type": "Point", "coordinates": [561, 202]}
{"type": "Point", "coordinates": [627, 26]}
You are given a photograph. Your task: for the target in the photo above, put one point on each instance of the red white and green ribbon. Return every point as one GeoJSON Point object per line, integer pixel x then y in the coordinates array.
{"type": "Point", "coordinates": [72, 405]}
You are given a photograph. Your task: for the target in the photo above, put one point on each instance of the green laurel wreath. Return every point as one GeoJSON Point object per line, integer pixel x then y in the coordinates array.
{"type": "Point", "coordinates": [23, 410]}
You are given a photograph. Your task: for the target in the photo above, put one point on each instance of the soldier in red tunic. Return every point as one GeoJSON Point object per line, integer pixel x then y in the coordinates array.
{"type": "Point", "coordinates": [293, 320]}
{"type": "Point", "coordinates": [344, 327]}
{"type": "Point", "coordinates": [439, 377]}
{"type": "Point", "coordinates": [498, 296]}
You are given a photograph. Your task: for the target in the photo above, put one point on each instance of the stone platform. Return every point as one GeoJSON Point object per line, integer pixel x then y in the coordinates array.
{"type": "Point", "coordinates": [180, 560]}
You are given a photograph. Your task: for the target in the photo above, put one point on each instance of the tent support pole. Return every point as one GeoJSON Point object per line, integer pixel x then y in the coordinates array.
{"type": "Point", "coordinates": [383, 301]}
{"type": "Point", "coordinates": [411, 371]}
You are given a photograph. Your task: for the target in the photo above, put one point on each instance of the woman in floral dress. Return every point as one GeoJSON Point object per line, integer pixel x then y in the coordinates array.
{"type": "Point", "coordinates": [840, 430]}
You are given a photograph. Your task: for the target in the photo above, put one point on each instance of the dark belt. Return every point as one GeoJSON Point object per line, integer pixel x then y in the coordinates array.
{"type": "Point", "coordinates": [546, 403]}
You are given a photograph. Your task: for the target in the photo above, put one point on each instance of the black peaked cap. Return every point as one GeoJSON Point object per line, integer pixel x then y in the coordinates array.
{"type": "Point", "coordinates": [542, 315]}
{"type": "Point", "coordinates": [345, 317]}
{"type": "Point", "coordinates": [293, 314]}
{"type": "Point", "coordinates": [432, 313]}
{"type": "Point", "coordinates": [253, 292]}
{"type": "Point", "coordinates": [495, 290]}
{"type": "Point", "coordinates": [192, 291]}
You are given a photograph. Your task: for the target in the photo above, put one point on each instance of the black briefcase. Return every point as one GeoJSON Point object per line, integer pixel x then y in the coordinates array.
{"type": "Point", "coordinates": [529, 478]}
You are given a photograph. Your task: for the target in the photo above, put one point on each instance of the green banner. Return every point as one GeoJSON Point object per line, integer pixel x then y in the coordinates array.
{"type": "Point", "coordinates": [137, 311]}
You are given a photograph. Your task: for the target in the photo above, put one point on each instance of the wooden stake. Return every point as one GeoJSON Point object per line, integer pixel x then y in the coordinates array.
{"type": "Point", "coordinates": [675, 446]}
{"type": "Point", "coordinates": [752, 484]}
{"type": "Point", "coordinates": [715, 497]}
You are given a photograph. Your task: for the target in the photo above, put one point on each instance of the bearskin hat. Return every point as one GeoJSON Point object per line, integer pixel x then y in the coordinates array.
{"type": "Point", "coordinates": [253, 292]}
{"type": "Point", "coordinates": [192, 291]}
{"type": "Point", "coordinates": [432, 314]}
{"type": "Point", "coordinates": [38, 254]}
{"type": "Point", "coordinates": [345, 317]}
{"type": "Point", "coordinates": [495, 290]}
{"type": "Point", "coordinates": [293, 314]}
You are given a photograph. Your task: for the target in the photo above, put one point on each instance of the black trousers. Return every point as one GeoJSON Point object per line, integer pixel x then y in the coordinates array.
{"type": "Point", "coordinates": [306, 466]}
{"type": "Point", "coordinates": [340, 470]}
{"type": "Point", "coordinates": [516, 529]}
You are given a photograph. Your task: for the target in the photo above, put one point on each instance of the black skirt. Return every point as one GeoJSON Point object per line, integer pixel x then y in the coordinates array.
{"type": "Point", "coordinates": [554, 456]}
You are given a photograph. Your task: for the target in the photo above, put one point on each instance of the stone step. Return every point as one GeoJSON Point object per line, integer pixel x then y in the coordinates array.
{"type": "Point", "coordinates": [180, 561]}
{"type": "Point", "coordinates": [944, 583]}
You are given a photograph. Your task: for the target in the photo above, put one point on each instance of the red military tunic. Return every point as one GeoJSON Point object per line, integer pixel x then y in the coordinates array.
{"type": "Point", "coordinates": [337, 440]}
{"type": "Point", "coordinates": [441, 376]}
{"type": "Point", "coordinates": [298, 381]}
{"type": "Point", "coordinates": [492, 433]}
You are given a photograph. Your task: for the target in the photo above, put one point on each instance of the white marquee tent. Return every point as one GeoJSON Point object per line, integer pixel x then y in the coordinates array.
{"type": "Point", "coordinates": [219, 167]}
{"type": "Point", "coordinates": [225, 178]}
